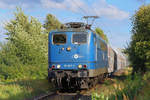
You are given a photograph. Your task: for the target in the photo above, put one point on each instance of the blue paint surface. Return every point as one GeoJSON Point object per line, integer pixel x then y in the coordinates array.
{"type": "Point", "coordinates": [90, 54]}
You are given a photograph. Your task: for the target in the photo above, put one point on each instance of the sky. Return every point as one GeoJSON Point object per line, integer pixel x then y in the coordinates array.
{"type": "Point", "coordinates": [115, 15]}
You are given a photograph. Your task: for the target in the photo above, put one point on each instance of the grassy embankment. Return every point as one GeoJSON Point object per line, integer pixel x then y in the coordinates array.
{"type": "Point", "coordinates": [125, 87]}
{"type": "Point", "coordinates": [24, 83]}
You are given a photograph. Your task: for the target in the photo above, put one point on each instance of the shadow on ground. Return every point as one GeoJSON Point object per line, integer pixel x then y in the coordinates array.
{"type": "Point", "coordinates": [121, 77]}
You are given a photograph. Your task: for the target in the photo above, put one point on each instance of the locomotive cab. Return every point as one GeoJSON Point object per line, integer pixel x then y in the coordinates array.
{"type": "Point", "coordinates": [68, 50]}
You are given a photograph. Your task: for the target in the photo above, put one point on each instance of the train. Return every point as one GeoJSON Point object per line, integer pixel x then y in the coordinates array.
{"type": "Point", "coordinates": [78, 58]}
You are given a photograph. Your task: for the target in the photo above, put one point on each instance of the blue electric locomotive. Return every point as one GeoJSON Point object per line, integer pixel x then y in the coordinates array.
{"type": "Point", "coordinates": [77, 57]}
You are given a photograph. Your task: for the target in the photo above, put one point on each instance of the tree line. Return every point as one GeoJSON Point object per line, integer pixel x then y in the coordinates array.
{"type": "Point", "coordinates": [139, 47]}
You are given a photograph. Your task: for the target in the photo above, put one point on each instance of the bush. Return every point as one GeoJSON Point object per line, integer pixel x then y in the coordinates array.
{"type": "Point", "coordinates": [132, 87]}
{"type": "Point", "coordinates": [96, 96]}
{"type": "Point", "coordinates": [25, 53]}
{"type": "Point", "coordinates": [129, 90]}
{"type": "Point", "coordinates": [23, 72]}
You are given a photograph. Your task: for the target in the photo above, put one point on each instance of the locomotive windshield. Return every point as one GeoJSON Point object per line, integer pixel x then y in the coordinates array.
{"type": "Point", "coordinates": [59, 38]}
{"type": "Point", "coordinates": [79, 38]}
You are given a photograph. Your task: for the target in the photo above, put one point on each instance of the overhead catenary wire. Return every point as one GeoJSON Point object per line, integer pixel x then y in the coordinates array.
{"type": "Point", "coordinates": [87, 17]}
{"type": "Point", "coordinates": [96, 24]}
{"type": "Point", "coordinates": [83, 10]}
{"type": "Point", "coordinates": [85, 13]}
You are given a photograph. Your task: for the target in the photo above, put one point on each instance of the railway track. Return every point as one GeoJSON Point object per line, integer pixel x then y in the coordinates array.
{"type": "Point", "coordinates": [76, 95]}
{"type": "Point", "coordinates": [63, 96]}
{"type": "Point", "coordinates": [45, 96]}
{"type": "Point", "coordinates": [71, 95]}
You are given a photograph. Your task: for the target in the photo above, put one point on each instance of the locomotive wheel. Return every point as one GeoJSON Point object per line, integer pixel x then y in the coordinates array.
{"type": "Point", "coordinates": [64, 83]}
{"type": "Point", "coordinates": [84, 84]}
{"type": "Point", "coordinates": [106, 75]}
{"type": "Point", "coordinates": [90, 84]}
{"type": "Point", "coordinates": [49, 79]}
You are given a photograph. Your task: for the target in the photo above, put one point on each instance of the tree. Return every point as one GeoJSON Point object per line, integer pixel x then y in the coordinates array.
{"type": "Point", "coordinates": [139, 47]}
{"type": "Point", "coordinates": [27, 41]}
{"type": "Point", "coordinates": [101, 33]}
{"type": "Point", "coordinates": [51, 23]}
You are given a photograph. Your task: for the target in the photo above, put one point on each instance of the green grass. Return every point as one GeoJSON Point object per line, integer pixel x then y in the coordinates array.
{"type": "Point", "coordinates": [144, 93]}
{"type": "Point", "coordinates": [23, 89]}
{"type": "Point", "coordinates": [129, 87]}
{"type": "Point", "coordinates": [23, 81]}
{"type": "Point", "coordinates": [101, 96]}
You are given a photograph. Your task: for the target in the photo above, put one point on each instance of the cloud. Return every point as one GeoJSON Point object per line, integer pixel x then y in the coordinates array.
{"type": "Point", "coordinates": [70, 5]}
{"type": "Point", "coordinates": [101, 8]}
{"type": "Point", "coordinates": [11, 4]}
{"type": "Point", "coordinates": [98, 7]}
{"type": "Point", "coordinates": [4, 5]}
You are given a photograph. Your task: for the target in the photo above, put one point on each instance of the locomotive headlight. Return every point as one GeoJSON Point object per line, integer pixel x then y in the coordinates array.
{"type": "Point", "coordinates": [58, 66]}
{"type": "Point", "coordinates": [62, 49]}
{"type": "Point", "coordinates": [69, 48]}
{"type": "Point", "coordinates": [79, 66]}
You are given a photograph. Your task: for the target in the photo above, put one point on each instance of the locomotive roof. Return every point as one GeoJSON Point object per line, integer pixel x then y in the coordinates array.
{"type": "Point", "coordinates": [73, 30]}
{"type": "Point", "coordinates": [75, 26]}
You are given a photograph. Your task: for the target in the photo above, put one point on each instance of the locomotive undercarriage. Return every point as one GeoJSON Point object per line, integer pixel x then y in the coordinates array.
{"type": "Point", "coordinates": [64, 80]}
